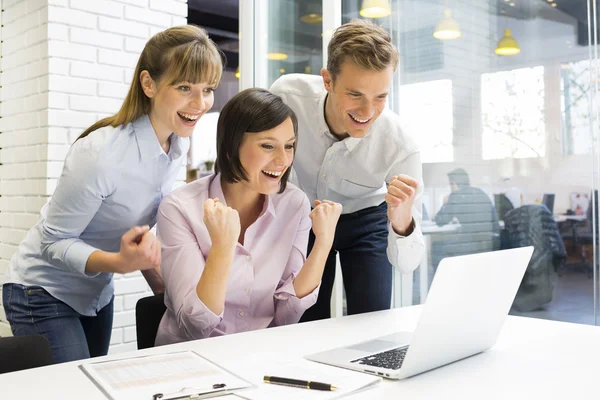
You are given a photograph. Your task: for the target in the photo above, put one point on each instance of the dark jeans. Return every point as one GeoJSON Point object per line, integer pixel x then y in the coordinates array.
{"type": "Point", "coordinates": [361, 240]}
{"type": "Point", "coordinates": [31, 310]}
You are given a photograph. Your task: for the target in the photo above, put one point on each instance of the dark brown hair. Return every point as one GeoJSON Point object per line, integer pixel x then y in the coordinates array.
{"type": "Point", "coordinates": [250, 111]}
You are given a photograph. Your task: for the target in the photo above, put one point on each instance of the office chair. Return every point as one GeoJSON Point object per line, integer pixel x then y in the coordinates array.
{"type": "Point", "coordinates": [582, 239]}
{"type": "Point", "coordinates": [533, 225]}
{"type": "Point", "coordinates": [502, 205]}
{"type": "Point", "coordinates": [148, 313]}
{"type": "Point", "coordinates": [548, 201]}
{"type": "Point", "coordinates": [23, 352]}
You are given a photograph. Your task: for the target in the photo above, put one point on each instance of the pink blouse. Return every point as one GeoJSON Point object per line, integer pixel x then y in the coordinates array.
{"type": "Point", "coordinates": [260, 292]}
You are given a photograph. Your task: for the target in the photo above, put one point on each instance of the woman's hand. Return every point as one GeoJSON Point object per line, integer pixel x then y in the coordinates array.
{"type": "Point", "coordinates": [223, 224]}
{"type": "Point", "coordinates": [324, 218]}
{"type": "Point", "coordinates": [140, 250]}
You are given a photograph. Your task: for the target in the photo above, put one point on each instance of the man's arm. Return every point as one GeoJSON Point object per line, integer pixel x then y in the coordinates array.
{"type": "Point", "coordinates": [405, 252]}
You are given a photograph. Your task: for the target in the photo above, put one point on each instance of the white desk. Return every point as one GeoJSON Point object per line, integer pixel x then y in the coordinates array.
{"type": "Point", "coordinates": [533, 359]}
{"type": "Point", "coordinates": [558, 218]}
{"type": "Point", "coordinates": [575, 218]}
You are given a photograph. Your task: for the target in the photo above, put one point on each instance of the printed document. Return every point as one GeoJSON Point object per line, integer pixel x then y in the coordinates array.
{"type": "Point", "coordinates": [173, 375]}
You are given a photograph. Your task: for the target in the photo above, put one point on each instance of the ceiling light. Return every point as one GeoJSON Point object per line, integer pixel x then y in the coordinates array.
{"type": "Point", "coordinates": [553, 4]}
{"type": "Point", "coordinates": [447, 28]}
{"type": "Point", "coordinates": [282, 70]}
{"type": "Point", "coordinates": [277, 56]}
{"type": "Point", "coordinates": [312, 18]}
{"type": "Point", "coordinates": [512, 4]}
{"type": "Point", "coordinates": [507, 46]}
{"type": "Point", "coordinates": [375, 8]}
{"type": "Point", "coordinates": [237, 72]}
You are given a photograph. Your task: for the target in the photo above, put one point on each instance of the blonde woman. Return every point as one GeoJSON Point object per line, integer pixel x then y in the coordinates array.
{"type": "Point", "coordinates": [60, 281]}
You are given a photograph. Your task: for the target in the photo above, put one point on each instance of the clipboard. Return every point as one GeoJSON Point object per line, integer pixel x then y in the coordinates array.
{"type": "Point", "coordinates": [174, 376]}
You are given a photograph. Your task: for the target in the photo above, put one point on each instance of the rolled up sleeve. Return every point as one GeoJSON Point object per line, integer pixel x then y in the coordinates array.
{"type": "Point", "coordinates": [182, 266]}
{"type": "Point", "coordinates": [406, 252]}
{"type": "Point", "coordinates": [288, 307]}
{"type": "Point", "coordinates": [82, 187]}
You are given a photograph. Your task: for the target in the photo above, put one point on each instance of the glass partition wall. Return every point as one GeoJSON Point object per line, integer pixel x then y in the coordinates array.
{"type": "Point", "coordinates": [502, 97]}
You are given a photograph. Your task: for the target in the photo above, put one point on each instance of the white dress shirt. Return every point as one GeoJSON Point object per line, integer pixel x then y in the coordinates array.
{"type": "Point", "coordinates": [353, 172]}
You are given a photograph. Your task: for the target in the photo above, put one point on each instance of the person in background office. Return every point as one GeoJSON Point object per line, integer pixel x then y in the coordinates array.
{"type": "Point", "coordinates": [473, 209]}
{"type": "Point", "coordinates": [60, 281]}
{"type": "Point", "coordinates": [353, 151]}
{"type": "Point", "coordinates": [234, 243]}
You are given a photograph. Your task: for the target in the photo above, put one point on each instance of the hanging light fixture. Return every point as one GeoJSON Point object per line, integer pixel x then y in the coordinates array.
{"type": "Point", "coordinates": [507, 46]}
{"type": "Point", "coordinates": [312, 18]}
{"type": "Point", "coordinates": [237, 72]}
{"type": "Point", "coordinates": [447, 28]}
{"type": "Point", "coordinates": [277, 56]}
{"type": "Point", "coordinates": [375, 8]}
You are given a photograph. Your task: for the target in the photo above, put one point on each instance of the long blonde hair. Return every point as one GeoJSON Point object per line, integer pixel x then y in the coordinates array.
{"type": "Point", "coordinates": [178, 54]}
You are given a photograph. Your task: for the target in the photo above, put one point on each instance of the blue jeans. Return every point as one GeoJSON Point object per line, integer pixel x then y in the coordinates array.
{"type": "Point", "coordinates": [31, 310]}
{"type": "Point", "coordinates": [361, 239]}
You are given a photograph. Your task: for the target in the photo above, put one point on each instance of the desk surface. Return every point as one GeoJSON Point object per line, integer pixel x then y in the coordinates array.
{"type": "Point", "coordinates": [533, 359]}
{"type": "Point", "coordinates": [559, 218]}
{"type": "Point", "coordinates": [574, 218]}
{"type": "Point", "coordinates": [430, 227]}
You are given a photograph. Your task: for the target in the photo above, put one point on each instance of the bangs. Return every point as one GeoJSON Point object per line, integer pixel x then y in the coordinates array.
{"type": "Point", "coordinates": [194, 63]}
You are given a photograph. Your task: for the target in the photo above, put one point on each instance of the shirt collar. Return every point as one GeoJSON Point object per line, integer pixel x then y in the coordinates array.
{"type": "Point", "coordinates": [350, 142]}
{"type": "Point", "coordinates": [148, 143]}
{"type": "Point", "coordinates": [215, 190]}
{"type": "Point", "coordinates": [321, 111]}
{"type": "Point", "coordinates": [268, 207]}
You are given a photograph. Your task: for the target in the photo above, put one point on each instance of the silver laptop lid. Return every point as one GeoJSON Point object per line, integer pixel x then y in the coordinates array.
{"type": "Point", "coordinates": [467, 305]}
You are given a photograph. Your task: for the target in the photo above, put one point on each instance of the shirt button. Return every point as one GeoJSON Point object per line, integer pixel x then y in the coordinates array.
{"type": "Point", "coordinates": [248, 258]}
{"type": "Point", "coordinates": [241, 313]}
{"type": "Point", "coordinates": [158, 189]}
{"type": "Point", "coordinates": [324, 175]}
{"type": "Point", "coordinates": [245, 289]}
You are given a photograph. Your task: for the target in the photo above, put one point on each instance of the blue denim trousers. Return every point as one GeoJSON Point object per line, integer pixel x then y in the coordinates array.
{"type": "Point", "coordinates": [31, 310]}
{"type": "Point", "coordinates": [361, 239]}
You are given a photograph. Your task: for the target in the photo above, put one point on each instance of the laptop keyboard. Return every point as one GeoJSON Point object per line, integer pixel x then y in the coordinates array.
{"type": "Point", "coordinates": [391, 359]}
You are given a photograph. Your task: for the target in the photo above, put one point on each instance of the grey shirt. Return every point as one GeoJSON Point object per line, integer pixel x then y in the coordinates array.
{"type": "Point", "coordinates": [112, 180]}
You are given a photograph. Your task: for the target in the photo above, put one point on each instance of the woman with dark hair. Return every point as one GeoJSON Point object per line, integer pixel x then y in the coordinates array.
{"type": "Point", "coordinates": [234, 243]}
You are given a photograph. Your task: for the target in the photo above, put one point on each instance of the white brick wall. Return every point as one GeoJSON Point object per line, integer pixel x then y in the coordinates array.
{"type": "Point", "coordinates": [66, 64]}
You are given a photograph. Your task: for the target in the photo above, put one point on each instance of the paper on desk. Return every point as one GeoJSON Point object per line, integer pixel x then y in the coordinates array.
{"type": "Point", "coordinates": [346, 380]}
{"type": "Point", "coordinates": [173, 373]}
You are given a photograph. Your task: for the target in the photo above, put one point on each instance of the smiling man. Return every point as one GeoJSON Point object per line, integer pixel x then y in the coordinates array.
{"type": "Point", "coordinates": [352, 150]}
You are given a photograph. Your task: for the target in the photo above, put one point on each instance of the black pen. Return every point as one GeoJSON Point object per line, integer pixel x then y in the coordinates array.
{"type": "Point", "coordinates": [276, 380]}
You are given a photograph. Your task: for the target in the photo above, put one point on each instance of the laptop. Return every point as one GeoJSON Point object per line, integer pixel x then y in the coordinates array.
{"type": "Point", "coordinates": [468, 301]}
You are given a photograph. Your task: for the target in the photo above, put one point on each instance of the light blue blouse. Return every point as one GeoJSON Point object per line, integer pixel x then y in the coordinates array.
{"type": "Point", "coordinates": [113, 179]}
